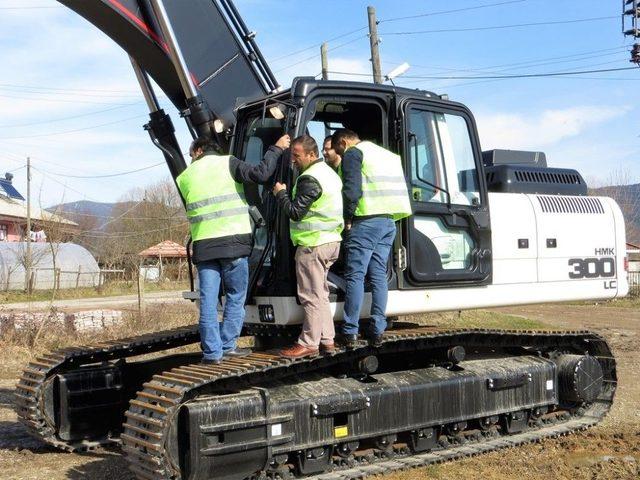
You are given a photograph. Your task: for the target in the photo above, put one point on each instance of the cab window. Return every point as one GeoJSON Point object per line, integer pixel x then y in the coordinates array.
{"type": "Point", "coordinates": [442, 162]}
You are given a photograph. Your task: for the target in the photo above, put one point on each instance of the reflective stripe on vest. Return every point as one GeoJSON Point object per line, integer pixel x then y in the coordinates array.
{"type": "Point", "coordinates": [323, 222]}
{"type": "Point", "coordinates": [384, 188]}
{"type": "Point", "coordinates": [216, 205]}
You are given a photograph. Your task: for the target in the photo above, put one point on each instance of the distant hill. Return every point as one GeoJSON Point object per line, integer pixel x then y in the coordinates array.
{"type": "Point", "coordinates": [97, 209]}
{"type": "Point", "coordinates": [84, 211]}
{"type": "Point", "coordinates": [628, 197]}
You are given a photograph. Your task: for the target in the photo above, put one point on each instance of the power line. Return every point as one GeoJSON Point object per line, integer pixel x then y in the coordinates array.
{"type": "Point", "coordinates": [591, 65]}
{"type": "Point", "coordinates": [470, 77]}
{"type": "Point", "coordinates": [61, 119]}
{"type": "Point", "coordinates": [46, 175]}
{"type": "Point", "coordinates": [108, 175]}
{"type": "Point", "coordinates": [499, 27]}
{"type": "Point", "coordinates": [316, 45]}
{"type": "Point", "coordinates": [21, 159]}
{"type": "Point", "coordinates": [60, 100]}
{"type": "Point", "coordinates": [74, 130]}
{"type": "Point", "coordinates": [443, 12]}
{"type": "Point", "coordinates": [64, 89]}
{"type": "Point", "coordinates": [64, 185]}
{"type": "Point", "coordinates": [316, 56]}
{"type": "Point", "coordinates": [558, 57]}
{"type": "Point", "coordinates": [525, 64]}
{"type": "Point", "coordinates": [34, 91]}
{"type": "Point", "coordinates": [346, 34]}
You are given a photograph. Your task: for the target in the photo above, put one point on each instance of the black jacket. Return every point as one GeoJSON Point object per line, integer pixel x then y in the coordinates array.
{"type": "Point", "coordinates": [308, 190]}
{"type": "Point", "coordinates": [351, 181]}
{"type": "Point", "coordinates": [236, 246]}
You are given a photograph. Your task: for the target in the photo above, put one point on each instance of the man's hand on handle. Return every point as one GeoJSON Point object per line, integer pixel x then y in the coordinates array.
{"type": "Point", "coordinates": [278, 187]}
{"type": "Point", "coordinates": [284, 141]}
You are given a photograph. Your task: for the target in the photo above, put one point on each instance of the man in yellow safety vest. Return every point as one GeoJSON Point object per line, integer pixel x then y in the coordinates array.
{"type": "Point", "coordinates": [315, 225]}
{"type": "Point", "coordinates": [330, 156]}
{"type": "Point", "coordinates": [218, 214]}
{"type": "Point", "coordinates": [375, 196]}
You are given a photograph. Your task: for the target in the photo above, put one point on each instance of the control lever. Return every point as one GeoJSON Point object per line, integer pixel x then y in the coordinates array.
{"type": "Point", "coordinates": [256, 216]}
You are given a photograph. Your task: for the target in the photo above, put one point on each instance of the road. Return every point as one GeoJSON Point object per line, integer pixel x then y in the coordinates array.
{"type": "Point", "coordinates": [96, 302]}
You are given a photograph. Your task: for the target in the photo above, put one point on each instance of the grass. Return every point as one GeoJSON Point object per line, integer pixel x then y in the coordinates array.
{"type": "Point", "coordinates": [626, 302]}
{"type": "Point", "coordinates": [109, 290]}
{"type": "Point", "coordinates": [477, 319]}
{"type": "Point", "coordinates": [19, 347]}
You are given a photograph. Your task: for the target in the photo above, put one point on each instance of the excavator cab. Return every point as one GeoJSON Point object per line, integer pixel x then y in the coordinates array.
{"type": "Point", "coordinates": [446, 241]}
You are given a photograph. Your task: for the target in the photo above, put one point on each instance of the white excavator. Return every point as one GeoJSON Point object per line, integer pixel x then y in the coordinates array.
{"type": "Point", "coordinates": [489, 229]}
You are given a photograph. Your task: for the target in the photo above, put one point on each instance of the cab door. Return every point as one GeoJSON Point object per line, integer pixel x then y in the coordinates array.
{"type": "Point", "coordinates": [448, 238]}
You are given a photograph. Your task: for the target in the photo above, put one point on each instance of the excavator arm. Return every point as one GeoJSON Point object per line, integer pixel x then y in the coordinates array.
{"type": "Point", "coordinates": [200, 53]}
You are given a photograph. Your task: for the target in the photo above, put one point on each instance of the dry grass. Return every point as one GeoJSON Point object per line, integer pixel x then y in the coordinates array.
{"type": "Point", "coordinates": [597, 454]}
{"type": "Point", "coordinates": [477, 319]}
{"type": "Point", "coordinates": [19, 347]}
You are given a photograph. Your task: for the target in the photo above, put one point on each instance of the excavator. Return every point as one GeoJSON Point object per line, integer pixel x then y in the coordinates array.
{"type": "Point", "coordinates": [489, 229]}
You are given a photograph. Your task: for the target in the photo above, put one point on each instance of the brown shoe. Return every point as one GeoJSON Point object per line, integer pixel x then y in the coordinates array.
{"type": "Point", "coordinates": [298, 351]}
{"type": "Point", "coordinates": [328, 348]}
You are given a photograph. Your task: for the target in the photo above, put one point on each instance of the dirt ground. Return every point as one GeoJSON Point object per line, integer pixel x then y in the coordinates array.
{"type": "Point", "coordinates": [609, 451]}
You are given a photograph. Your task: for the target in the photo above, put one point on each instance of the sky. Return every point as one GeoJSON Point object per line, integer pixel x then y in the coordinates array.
{"type": "Point", "coordinates": [69, 99]}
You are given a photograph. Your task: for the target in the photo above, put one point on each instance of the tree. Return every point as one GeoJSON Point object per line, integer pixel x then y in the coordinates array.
{"type": "Point", "coordinates": [619, 186]}
{"type": "Point", "coordinates": [143, 217]}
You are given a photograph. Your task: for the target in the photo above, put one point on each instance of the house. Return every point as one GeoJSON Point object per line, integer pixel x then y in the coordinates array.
{"type": "Point", "coordinates": [13, 217]}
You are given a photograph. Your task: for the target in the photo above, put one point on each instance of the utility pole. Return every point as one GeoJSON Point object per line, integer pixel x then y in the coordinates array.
{"type": "Point", "coordinates": [325, 61]}
{"type": "Point", "coordinates": [375, 42]}
{"type": "Point", "coordinates": [324, 58]}
{"type": "Point", "coordinates": [631, 12]}
{"type": "Point", "coordinates": [27, 266]}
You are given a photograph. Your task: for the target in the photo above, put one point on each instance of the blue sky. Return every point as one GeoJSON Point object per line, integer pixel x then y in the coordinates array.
{"type": "Point", "coordinates": [55, 65]}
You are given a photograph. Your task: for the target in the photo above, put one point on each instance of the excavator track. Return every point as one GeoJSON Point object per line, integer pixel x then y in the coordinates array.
{"type": "Point", "coordinates": [40, 373]}
{"type": "Point", "coordinates": [152, 417]}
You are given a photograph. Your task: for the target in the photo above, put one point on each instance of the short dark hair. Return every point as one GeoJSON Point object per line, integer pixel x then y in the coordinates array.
{"type": "Point", "coordinates": [327, 139]}
{"type": "Point", "coordinates": [343, 134]}
{"type": "Point", "coordinates": [208, 145]}
{"type": "Point", "coordinates": [309, 145]}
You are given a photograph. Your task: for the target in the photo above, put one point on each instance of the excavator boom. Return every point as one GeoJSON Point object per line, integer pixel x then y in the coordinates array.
{"type": "Point", "coordinates": [221, 58]}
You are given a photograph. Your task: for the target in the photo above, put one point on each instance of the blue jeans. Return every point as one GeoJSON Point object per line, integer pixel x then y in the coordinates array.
{"type": "Point", "coordinates": [367, 248]}
{"type": "Point", "coordinates": [234, 273]}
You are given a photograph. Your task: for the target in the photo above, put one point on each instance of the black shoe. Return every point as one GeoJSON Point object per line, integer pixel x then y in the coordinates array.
{"type": "Point", "coordinates": [211, 361]}
{"type": "Point", "coordinates": [375, 340]}
{"type": "Point", "coordinates": [349, 342]}
{"type": "Point", "coordinates": [237, 352]}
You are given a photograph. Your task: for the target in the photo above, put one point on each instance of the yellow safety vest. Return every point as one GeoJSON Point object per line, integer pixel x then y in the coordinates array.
{"type": "Point", "coordinates": [324, 222]}
{"type": "Point", "coordinates": [384, 188]}
{"type": "Point", "coordinates": [216, 206]}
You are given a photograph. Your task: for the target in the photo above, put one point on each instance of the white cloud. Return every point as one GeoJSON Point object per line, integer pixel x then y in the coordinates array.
{"type": "Point", "coordinates": [538, 130]}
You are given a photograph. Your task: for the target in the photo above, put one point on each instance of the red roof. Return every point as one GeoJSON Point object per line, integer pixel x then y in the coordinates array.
{"type": "Point", "coordinates": [166, 249]}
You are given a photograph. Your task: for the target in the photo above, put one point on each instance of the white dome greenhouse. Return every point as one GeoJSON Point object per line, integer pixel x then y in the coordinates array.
{"type": "Point", "coordinates": [74, 266]}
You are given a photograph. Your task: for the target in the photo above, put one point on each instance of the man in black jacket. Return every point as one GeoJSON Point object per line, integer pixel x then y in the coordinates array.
{"type": "Point", "coordinates": [315, 224]}
{"type": "Point", "coordinates": [235, 246]}
{"type": "Point", "coordinates": [212, 187]}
